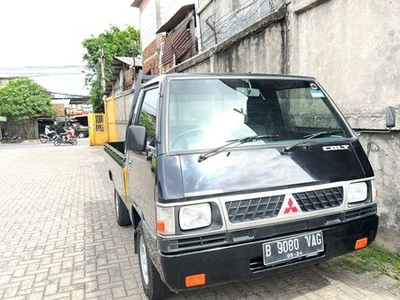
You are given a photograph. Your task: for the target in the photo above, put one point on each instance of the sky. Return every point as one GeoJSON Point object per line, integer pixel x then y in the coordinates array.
{"type": "Point", "coordinates": [42, 39]}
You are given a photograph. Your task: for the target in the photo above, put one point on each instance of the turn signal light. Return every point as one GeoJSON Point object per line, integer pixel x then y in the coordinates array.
{"type": "Point", "coordinates": [195, 280]}
{"type": "Point", "coordinates": [361, 243]}
{"type": "Point", "coordinates": [160, 226]}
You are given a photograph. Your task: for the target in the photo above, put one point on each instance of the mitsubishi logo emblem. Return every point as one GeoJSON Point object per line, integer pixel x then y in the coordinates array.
{"type": "Point", "coordinates": [289, 206]}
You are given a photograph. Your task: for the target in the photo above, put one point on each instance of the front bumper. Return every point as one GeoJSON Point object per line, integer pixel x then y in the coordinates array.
{"type": "Point", "coordinates": [244, 261]}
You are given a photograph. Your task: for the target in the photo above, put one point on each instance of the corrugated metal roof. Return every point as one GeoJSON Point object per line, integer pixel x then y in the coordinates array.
{"type": "Point", "coordinates": [128, 61]}
{"type": "Point", "coordinates": [176, 18]}
{"type": "Point", "coordinates": [136, 3]}
{"type": "Point", "coordinates": [178, 43]}
{"type": "Point", "coordinates": [117, 65]}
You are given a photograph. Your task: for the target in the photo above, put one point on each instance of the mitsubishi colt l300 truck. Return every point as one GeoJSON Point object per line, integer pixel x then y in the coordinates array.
{"type": "Point", "coordinates": [226, 177]}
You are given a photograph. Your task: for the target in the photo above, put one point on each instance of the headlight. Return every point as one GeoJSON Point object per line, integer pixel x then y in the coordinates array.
{"type": "Point", "coordinates": [357, 192]}
{"type": "Point", "coordinates": [195, 216]}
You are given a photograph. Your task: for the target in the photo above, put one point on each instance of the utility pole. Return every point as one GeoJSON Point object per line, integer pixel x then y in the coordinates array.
{"type": "Point", "coordinates": [134, 63]}
{"type": "Point", "coordinates": [103, 77]}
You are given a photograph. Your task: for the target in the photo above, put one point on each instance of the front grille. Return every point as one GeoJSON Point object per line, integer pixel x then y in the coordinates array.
{"type": "Point", "coordinates": [319, 199]}
{"type": "Point", "coordinates": [254, 209]}
{"type": "Point", "coordinates": [269, 207]}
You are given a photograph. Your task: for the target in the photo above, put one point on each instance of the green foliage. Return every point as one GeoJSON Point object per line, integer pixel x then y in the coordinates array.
{"type": "Point", "coordinates": [372, 258]}
{"type": "Point", "coordinates": [146, 120]}
{"type": "Point", "coordinates": [23, 99]}
{"type": "Point", "coordinates": [113, 42]}
{"type": "Point", "coordinates": [96, 96]}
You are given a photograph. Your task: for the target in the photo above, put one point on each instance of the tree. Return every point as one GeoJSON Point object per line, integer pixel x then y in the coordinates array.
{"type": "Point", "coordinates": [102, 50]}
{"type": "Point", "coordinates": [23, 101]}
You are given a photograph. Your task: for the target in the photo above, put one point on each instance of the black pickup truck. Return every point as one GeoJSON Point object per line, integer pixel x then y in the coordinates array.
{"type": "Point", "coordinates": [82, 131]}
{"type": "Point", "coordinates": [226, 177]}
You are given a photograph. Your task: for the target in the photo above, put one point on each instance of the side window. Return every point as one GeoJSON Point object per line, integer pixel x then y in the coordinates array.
{"type": "Point", "coordinates": [136, 105]}
{"type": "Point", "coordinates": [147, 115]}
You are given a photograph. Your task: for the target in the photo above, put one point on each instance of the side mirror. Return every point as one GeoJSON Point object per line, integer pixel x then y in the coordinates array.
{"type": "Point", "coordinates": [390, 117]}
{"type": "Point", "coordinates": [136, 138]}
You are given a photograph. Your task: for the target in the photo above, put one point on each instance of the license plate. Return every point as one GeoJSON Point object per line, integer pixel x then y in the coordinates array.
{"type": "Point", "coordinates": [297, 246]}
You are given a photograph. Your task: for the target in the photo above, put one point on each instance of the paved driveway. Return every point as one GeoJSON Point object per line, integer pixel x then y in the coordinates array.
{"type": "Point", "coordinates": [59, 239]}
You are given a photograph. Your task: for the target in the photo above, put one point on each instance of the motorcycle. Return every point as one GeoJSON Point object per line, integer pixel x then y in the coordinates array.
{"type": "Point", "coordinates": [13, 139]}
{"type": "Point", "coordinates": [44, 138]}
{"type": "Point", "coordinates": [62, 139]}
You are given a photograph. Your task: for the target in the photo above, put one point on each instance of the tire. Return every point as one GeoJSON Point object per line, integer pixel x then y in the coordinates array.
{"type": "Point", "coordinates": [56, 142]}
{"type": "Point", "coordinates": [74, 141]}
{"type": "Point", "coordinates": [153, 286]}
{"type": "Point", "coordinates": [121, 212]}
{"type": "Point", "coordinates": [81, 134]}
{"type": "Point", "coordinates": [43, 140]}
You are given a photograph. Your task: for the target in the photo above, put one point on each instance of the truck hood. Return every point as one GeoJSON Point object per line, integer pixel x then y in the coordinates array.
{"type": "Point", "coordinates": [249, 170]}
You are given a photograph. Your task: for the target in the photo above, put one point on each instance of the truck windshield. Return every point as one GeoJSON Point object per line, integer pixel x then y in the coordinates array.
{"type": "Point", "coordinates": [205, 113]}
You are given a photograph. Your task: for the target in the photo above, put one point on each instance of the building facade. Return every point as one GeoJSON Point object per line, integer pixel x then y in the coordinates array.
{"type": "Point", "coordinates": [168, 33]}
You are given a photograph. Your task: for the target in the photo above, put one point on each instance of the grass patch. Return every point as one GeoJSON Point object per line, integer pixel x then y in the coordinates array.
{"type": "Point", "coordinates": [372, 258]}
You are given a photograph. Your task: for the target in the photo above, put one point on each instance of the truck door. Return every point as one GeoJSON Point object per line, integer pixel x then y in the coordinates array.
{"type": "Point", "coordinates": [140, 165]}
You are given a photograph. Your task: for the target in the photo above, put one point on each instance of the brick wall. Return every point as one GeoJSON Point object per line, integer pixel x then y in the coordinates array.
{"type": "Point", "coordinates": [150, 58]}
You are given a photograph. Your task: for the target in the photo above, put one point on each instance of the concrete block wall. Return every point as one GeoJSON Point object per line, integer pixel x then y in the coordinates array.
{"type": "Point", "coordinates": [382, 150]}
{"type": "Point", "coordinates": [353, 49]}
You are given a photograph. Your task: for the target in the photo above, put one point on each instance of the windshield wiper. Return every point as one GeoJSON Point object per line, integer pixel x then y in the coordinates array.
{"type": "Point", "coordinates": [311, 136]}
{"type": "Point", "coordinates": [244, 140]}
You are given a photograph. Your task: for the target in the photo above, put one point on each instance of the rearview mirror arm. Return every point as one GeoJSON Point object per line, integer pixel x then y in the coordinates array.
{"type": "Point", "coordinates": [390, 118]}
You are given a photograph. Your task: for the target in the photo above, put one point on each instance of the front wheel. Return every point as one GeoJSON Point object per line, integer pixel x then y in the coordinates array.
{"type": "Point", "coordinates": [56, 142]}
{"type": "Point", "coordinates": [43, 140]}
{"type": "Point", "coordinates": [121, 212]}
{"type": "Point", "coordinates": [74, 141]}
{"type": "Point", "coordinates": [153, 286]}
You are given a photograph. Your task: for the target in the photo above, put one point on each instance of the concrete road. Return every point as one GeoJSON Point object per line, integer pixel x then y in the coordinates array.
{"type": "Point", "coordinates": [59, 238]}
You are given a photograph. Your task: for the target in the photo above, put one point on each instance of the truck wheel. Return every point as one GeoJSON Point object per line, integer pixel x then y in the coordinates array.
{"type": "Point", "coordinates": [81, 134]}
{"type": "Point", "coordinates": [153, 286]}
{"type": "Point", "coordinates": [121, 212]}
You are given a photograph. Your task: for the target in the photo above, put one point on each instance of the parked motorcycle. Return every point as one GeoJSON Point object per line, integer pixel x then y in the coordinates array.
{"type": "Point", "coordinates": [62, 139]}
{"type": "Point", "coordinates": [44, 138]}
{"type": "Point", "coordinates": [7, 139]}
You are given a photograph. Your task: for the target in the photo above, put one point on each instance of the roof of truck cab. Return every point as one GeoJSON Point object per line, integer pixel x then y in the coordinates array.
{"type": "Point", "coordinates": [164, 77]}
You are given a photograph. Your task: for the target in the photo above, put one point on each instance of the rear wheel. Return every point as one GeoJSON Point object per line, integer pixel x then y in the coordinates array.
{"type": "Point", "coordinates": [121, 212]}
{"type": "Point", "coordinates": [153, 286]}
{"type": "Point", "coordinates": [81, 134]}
